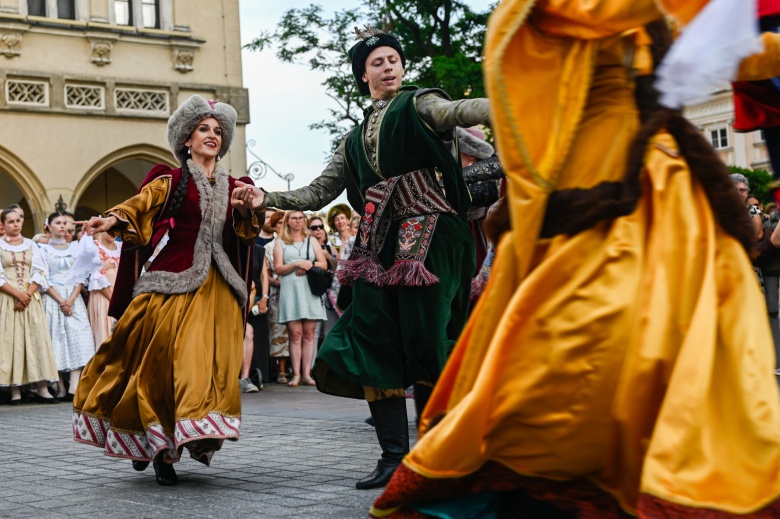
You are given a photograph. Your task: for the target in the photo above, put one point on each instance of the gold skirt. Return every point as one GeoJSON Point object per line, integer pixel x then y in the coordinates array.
{"type": "Point", "coordinates": [166, 378]}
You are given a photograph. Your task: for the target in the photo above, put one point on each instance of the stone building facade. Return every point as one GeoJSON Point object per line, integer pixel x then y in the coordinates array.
{"type": "Point", "coordinates": [715, 118]}
{"type": "Point", "coordinates": [87, 86]}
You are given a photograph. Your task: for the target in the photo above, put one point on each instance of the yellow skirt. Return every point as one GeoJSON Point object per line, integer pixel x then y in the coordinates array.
{"type": "Point", "coordinates": [166, 378]}
{"type": "Point", "coordinates": [636, 357]}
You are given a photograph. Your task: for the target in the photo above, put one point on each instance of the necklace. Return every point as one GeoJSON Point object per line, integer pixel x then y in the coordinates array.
{"type": "Point", "coordinates": [16, 238]}
{"type": "Point", "coordinates": [56, 241]}
{"type": "Point", "coordinates": [299, 249]}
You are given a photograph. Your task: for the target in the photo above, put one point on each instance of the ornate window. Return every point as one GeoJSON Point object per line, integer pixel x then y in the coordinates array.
{"type": "Point", "coordinates": [123, 11]}
{"type": "Point", "coordinates": [36, 7]}
{"type": "Point", "coordinates": [719, 137]}
{"type": "Point", "coordinates": [142, 100]}
{"type": "Point", "coordinates": [26, 93]}
{"type": "Point", "coordinates": [85, 96]}
{"type": "Point", "coordinates": [150, 13]}
{"type": "Point", "coordinates": [65, 9]}
{"type": "Point", "coordinates": [141, 13]}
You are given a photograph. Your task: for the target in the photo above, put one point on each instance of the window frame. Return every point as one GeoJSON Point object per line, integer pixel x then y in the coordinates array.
{"type": "Point", "coordinates": [719, 133]}
{"type": "Point", "coordinates": [51, 10]}
{"type": "Point", "coordinates": [163, 13]}
{"type": "Point", "coordinates": [46, 89]}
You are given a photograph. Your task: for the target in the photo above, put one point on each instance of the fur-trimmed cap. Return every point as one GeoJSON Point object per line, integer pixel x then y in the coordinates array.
{"type": "Point", "coordinates": [370, 39]}
{"type": "Point", "coordinates": [192, 111]}
{"type": "Point", "coordinates": [472, 145]}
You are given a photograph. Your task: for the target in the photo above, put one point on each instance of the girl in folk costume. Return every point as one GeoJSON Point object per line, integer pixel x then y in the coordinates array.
{"type": "Point", "coordinates": [26, 354]}
{"type": "Point", "coordinates": [66, 312]}
{"type": "Point", "coordinates": [101, 285]}
{"type": "Point", "coordinates": [167, 378]}
{"type": "Point", "coordinates": [616, 364]}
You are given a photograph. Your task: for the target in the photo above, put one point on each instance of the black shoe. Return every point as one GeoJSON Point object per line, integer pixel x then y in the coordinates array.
{"type": "Point", "coordinates": [380, 476]}
{"type": "Point", "coordinates": [392, 431]}
{"type": "Point", "coordinates": [41, 400]}
{"type": "Point", "coordinates": [68, 397]}
{"type": "Point", "coordinates": [164, 473]}
{"type": "Point", "coordinates": [15, 401]}
{"type": "Point", "coordinates": [370, 421]}
{"type": "Point", "coordinates": [140, 466]}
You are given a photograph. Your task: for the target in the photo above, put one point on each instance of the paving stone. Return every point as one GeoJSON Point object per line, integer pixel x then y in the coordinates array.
{"type": "Point", "coordinates": [299, 455]}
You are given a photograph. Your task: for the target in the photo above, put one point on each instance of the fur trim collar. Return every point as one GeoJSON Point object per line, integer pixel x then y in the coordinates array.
{"type": "Point", "coordinates": [213, 209]}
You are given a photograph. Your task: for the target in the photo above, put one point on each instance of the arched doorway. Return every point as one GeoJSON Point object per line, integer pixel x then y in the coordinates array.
{"type": "Point", "coordinates": [115, 178]}
{"type": "Point", "coordinates": [21, 186]}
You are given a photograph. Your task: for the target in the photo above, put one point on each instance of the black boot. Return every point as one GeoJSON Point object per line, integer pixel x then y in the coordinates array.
{"type": "Point", "coordinates": [421, 396]}
{"type": "Point", "coordinates": [164, 473]}
{"type": "Point", "coordinates": [140, 466]}
{"type": "Point", "coordinates": [392, 430]}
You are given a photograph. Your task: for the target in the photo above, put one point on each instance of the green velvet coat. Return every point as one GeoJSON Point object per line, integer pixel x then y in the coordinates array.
{"type": "Point", "coordinates": [392, 337]}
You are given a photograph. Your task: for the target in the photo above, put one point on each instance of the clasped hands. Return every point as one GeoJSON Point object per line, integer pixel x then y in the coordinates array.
{"type": "Point", "coordinates": [245, 198]}
{"type": "Point", "coordinates": [23, 300]}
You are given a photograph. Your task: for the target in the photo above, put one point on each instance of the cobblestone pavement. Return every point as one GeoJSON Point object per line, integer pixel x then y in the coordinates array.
{"type": "Point", "coordinates": [299, 455]}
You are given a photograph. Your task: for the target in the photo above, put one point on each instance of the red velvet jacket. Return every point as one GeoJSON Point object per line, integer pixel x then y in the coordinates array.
{"type": "Point", "coordinates": [186, 245]}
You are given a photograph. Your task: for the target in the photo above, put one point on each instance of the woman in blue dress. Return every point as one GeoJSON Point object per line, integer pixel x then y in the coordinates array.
{"type": "Point", "coordinates": [295, 254]}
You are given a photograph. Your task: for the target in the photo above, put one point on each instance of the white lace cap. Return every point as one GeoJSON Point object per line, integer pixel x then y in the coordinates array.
{"type": "Point", "coordinates": [708, 52]}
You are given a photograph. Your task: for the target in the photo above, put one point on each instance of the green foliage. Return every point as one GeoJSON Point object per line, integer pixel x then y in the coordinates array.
{"type": "Point", "coordinates": [759, 180]}
{"type": "Point", "coordinates": [442, 41]}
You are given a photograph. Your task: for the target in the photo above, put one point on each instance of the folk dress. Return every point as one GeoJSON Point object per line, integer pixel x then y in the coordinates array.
{"type": "Point", "coordinates": [620, 370]}
{"type": "Point", "coordinates": [26, 353]}
{"type": "Point", "coordinates": [102, 323]}
{"type": "Point", "coordinates": [71, 336]}
{"type": "Point", "coordinates": [167, 377]}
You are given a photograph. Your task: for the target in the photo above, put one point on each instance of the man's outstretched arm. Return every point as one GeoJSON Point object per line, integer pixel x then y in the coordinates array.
{"type": "Point", "coordinates": [322, 191]}
{"type": "Point", "coordinates": [442, 114]}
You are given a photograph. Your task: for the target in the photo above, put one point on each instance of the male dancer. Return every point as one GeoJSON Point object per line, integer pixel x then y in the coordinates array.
{"type": "Point", "coordinates": [411, 266]}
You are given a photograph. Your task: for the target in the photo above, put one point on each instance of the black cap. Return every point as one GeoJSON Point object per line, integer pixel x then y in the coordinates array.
{"type": "Point", "coordinates": [359, 52]}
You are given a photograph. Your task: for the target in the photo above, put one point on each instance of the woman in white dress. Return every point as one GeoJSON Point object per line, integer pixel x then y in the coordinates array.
{"type": "Point", "coordinates": [71, 334]}
{"type": "Point", "coordinates": [26, 354]}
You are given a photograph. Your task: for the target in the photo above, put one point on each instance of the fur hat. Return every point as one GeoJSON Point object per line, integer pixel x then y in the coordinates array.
{"type": "Point", "coordinates": [192, 111]}
{"type": "Point", "coordinates": [370, 39]}
{"type": "Point", "coordinates": [337, 210]}
{"type": "Point", "coordinates": [472, 145]}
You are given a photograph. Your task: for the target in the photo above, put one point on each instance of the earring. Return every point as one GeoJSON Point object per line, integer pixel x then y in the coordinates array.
{"type": "Point", "coordinates": [189, 151]}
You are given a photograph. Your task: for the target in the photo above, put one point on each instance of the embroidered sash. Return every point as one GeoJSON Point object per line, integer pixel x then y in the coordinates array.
{"type": "Point", "coordinates": [416, 199]}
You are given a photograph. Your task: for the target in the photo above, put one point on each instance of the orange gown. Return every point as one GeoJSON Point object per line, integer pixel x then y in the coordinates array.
{"type": "Point", "coordinates": [623, 369]}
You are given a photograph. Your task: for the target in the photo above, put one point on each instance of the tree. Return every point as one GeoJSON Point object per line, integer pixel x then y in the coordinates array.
{"type": "Point", "coordinates": [442, 41]}
{"type": "Point", "coordinates": [759, 180]}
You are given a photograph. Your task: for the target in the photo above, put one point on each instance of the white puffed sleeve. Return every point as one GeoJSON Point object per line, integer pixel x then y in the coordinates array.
{"type": "Point", "coordinates": [87, 265]}
{"type": "Point", "coordinates": [39, 271]}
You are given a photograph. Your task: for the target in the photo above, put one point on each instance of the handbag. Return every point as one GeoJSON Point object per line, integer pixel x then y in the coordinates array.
{"type": "Point", "coordinates": [319, 280]}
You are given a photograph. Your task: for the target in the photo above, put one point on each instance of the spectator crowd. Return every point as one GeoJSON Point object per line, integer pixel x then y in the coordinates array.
{"type": "Point", "coordinates": [55, 289]}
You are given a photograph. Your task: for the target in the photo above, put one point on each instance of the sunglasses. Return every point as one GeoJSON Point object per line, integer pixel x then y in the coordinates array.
{"type": "Point", "coordinates": [317, 228]}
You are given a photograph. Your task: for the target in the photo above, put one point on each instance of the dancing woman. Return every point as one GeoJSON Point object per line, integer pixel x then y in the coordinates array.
{"type": "Point", "coordinates": [616, 363]}
{"type": "Point", "coordinates": [167, 378]}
